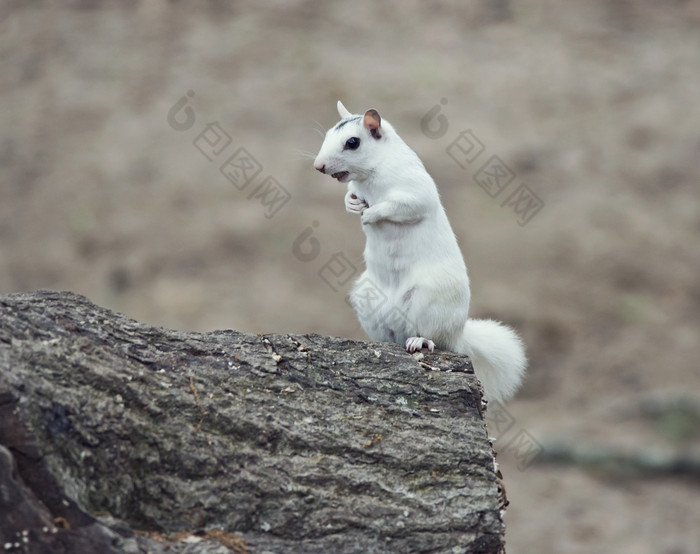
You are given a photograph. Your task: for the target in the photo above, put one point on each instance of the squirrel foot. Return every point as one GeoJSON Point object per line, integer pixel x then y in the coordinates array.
{"type": "Point", "coordinates": [414, 344]}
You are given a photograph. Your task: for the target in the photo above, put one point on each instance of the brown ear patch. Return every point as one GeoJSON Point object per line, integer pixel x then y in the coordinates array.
{"type": "Point", "coordinates": [372, 122]}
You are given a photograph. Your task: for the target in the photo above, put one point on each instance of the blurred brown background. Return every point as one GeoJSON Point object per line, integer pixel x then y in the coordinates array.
{"type": "Point", "coordinates": [592, 105]}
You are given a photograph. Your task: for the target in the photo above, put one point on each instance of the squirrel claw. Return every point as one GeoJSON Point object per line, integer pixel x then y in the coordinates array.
{"type": "Point", "coordinates": [414, 344]}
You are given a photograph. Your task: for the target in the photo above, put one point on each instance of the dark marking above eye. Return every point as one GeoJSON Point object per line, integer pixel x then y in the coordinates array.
{"type": "Point", "coordinates": [352, 143]}
{"type": "Point", "coordinates": [346, 121]}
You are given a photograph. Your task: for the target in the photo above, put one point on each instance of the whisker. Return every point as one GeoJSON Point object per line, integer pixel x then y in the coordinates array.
{"type": "Point", "coordinates": [319, 128]}
{"type": "Point", "coordinates": [305, 154]}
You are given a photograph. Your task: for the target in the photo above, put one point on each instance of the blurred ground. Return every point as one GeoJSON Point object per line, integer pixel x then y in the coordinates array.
{"type": "Point", "coordinates": [592, 105]}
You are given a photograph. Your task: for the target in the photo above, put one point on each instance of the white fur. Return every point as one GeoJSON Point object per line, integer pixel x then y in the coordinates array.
{"type": "Point", "coordinates": [415, 290]}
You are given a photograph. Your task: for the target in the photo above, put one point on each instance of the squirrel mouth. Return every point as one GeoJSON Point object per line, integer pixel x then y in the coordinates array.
{"type": "Point", "coordinates": [340, 175]}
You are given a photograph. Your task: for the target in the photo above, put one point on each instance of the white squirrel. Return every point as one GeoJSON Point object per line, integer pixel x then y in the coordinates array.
{"type": "Point", "coordinates": [415, 289]}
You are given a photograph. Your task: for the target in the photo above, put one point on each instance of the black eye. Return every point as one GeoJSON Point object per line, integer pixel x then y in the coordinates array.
{"type": "Point", "coordinates": [352, 143]}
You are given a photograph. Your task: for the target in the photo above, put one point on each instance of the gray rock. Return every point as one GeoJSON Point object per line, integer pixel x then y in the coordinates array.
{"type": "Point", "coordinates": [121, 437]}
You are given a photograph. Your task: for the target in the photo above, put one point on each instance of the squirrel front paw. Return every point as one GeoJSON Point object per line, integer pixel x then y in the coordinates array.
{"type": "Point", "coordinates": [354, 204]}
{"type": "Point", "coordinates": [370, 215]}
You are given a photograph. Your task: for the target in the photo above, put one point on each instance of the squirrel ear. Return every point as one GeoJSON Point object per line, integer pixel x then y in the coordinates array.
{"type": "Point", "coordinates": [373, 122]}
{"type": "Point", "coordinates": [343, 111]}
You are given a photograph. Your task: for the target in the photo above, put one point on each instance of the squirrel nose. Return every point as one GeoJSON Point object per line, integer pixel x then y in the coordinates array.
{"type": "Point", "coordinates": [320, 167]}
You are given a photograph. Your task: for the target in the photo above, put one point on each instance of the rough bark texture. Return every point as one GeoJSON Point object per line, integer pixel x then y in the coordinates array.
{"type": "Point", "coordinates": [120, 437]}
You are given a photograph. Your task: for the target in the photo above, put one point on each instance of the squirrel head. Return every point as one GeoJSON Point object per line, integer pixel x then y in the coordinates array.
{"type": "Point", "coordinates": [354, 147]}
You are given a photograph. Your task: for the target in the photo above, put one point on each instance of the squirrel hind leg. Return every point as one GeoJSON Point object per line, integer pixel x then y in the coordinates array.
{"type": "Point", "coordinates": [414, 344]}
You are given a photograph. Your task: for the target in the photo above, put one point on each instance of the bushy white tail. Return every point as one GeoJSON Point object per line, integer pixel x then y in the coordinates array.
{"type": "Point", "coordinates": [498, 356]}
